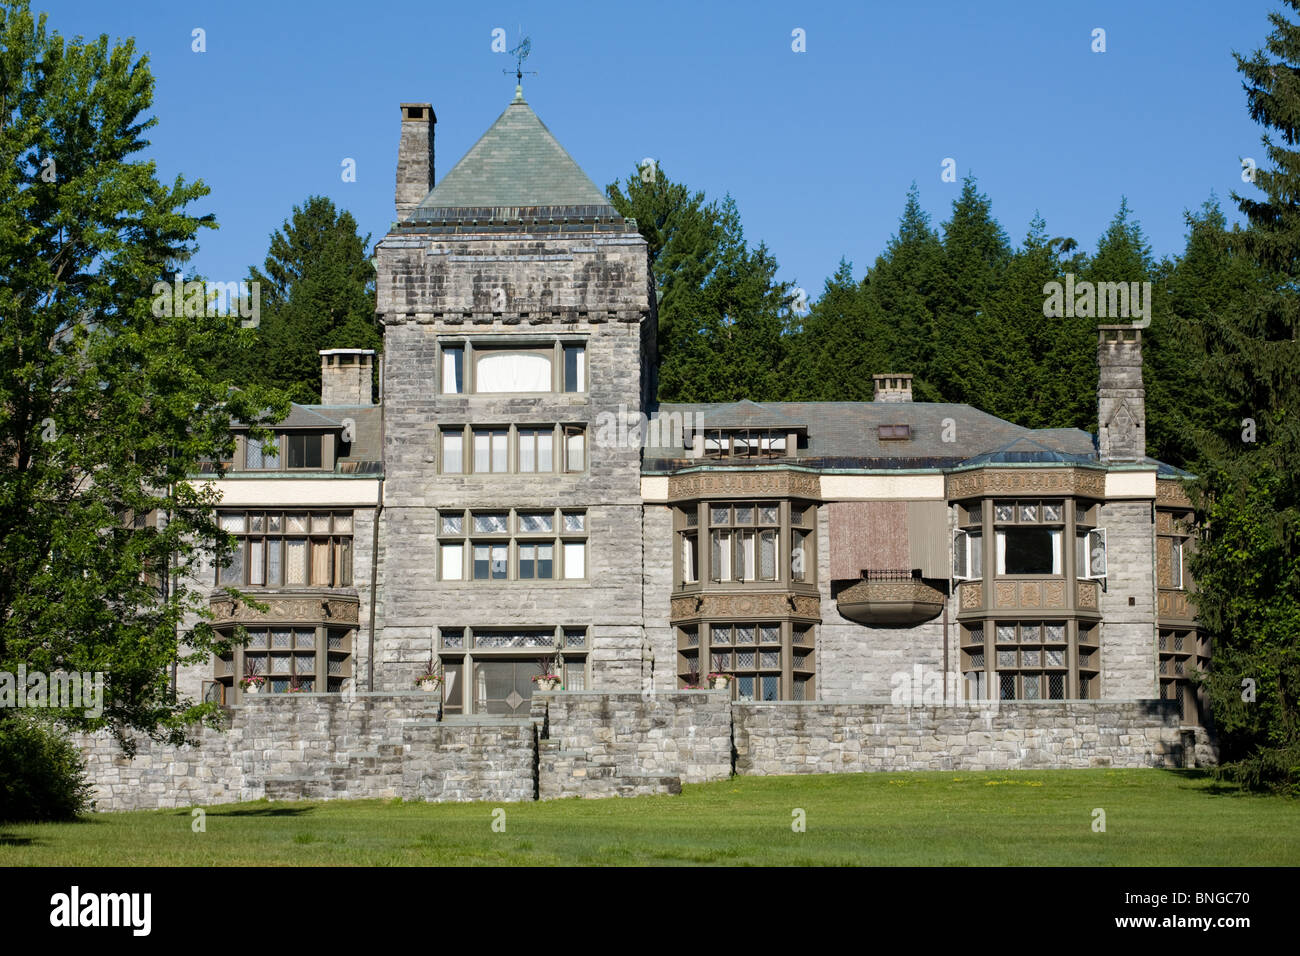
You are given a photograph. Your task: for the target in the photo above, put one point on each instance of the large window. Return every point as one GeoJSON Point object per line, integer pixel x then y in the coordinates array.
{"type": "Point", "coordinates": [745, 443]}
{"type": "Point", "coordinates": [288, 658]}
{"type": "Point", "coordinates": [1029, 537]}
{"type": "Point", "coordinates": [523, 449]}
{"type": "Point", "coordinates": [518, 545]}
{"type": "Point", "coordinates": [287, 549]}
{"type": "Point", "coordinates": [526, 367]}
{"type": "Point", "coordinates": [287, 451]}
{"type": "Point", "coordinates": [745, 541]}
{"type": "Point", "coordinates": [490, 670]}
{"type": "Point", "coordinates": [770, 660]}
{"type": "Point", "coordinates": [1030, 660]}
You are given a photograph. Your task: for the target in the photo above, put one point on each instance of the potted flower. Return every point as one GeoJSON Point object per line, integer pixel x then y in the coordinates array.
{"type": "Point", "coordinates": [692, 680]}
{"type": "Point", "coordinates": [294, 687]}
{"type": "Point", "coordinates": [430, 681]}
{"type": "Point", "coordinates": [251, 682]}
{"type": "Point", "coordinates": [718, 678]}
{"type": "Point", "coordinates": [547, 679]}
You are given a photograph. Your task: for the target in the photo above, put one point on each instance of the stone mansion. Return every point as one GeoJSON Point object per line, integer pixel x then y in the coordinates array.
{"type": "Point", "coordinates": [480, 517]}
{"type": "Point", "coordinates": [889, 584]}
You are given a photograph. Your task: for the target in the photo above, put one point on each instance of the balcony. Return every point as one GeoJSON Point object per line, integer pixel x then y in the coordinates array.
{"type": "Point", "coordinates": [890, 598]}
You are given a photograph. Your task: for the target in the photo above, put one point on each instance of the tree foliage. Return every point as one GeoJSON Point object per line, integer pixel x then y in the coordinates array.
{"type": "Point", "coordinates": [103, 408]}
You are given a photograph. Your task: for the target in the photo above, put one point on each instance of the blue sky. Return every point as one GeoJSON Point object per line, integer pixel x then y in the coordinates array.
{"type": "Point", "coordinates": [818, 148]}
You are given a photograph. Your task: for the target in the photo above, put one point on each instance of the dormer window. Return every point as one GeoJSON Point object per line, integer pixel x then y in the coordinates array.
{"type": "Point", "coordinates": [894, 432]}
{"type": "Point", "coordinates": [745, 443]}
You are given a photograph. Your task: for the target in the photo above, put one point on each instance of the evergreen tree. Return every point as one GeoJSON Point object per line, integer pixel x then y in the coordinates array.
{"type": "Point", "coordinates": [318, 292]}
{"type": "Point", "coordinates": [1247, 492]}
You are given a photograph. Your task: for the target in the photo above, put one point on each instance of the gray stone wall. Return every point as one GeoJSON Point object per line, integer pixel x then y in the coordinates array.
{"type": "Point", "coordinates": [784, 738]}
{"type": "Point", "coordinates": [598, 745]}
{"type": "Point", "coordinates": [593, 287]}
{"type": "Point", "coordinates": [1128, 604]}
{"type": "Point", "coordinates": [320, 746]}
{"type": "Point", "coordinates": [855, 661]}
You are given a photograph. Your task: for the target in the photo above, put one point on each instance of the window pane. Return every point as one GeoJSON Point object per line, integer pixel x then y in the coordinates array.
{"type": "Point", "coordinates": [500, 453]}
{"type": "Point", "coordinates": [453, 558]}
{"type": "Point", "coordinates": [574, 450]}
{"type": "Point", "coordinates": [767, 556]}
{"type": "Point", "coordinates": [546, 561]}
{"type": "Point", "coordinates": [527, 450]}
{"type": "Point", "coordinates": [491, 523]}
{"type": "Point", "coordinates": [1028, 550]}
{"type": "Point", "coordinates": [482, 455]}
{"type": "Point", "coordinates": [690, 567]}
{"type": "Point", "coordinates": [545, 455]}
{"type": "Point", "coordinates": [295, 571]}
{"type": "Point", "coordinates": [232, 522]}
{"type": "Point", "coordinates": [256, 564]}
{"type": "Point", "coordinates": [512, 372]}
{"type": "Point", "coordinates": [343, 524]}
{"type": "Point", "coordinates": [273, 563]}
{"type": "Point", "coordinates": [482, 562]}
{"type": "Point", "coordinates": [721, 567]}
{"type": "Point", "coordinates": [453, 524]}
{"type": "Point", "coordinates": [797, 556]}
{"type": "Point", "coordinates": [344, 547]}
{"type": "Point", "coordinates": [499, 557]}
{"type": "Point", "coordinates": [536, 522]}
{"type": "Point", "coordinates": [574, 368]}
{"type": "Point", "coordinates": [574, 522]}
{"type": "Point", "coordinates": [575, 559]}
{"type": "Point", "coordinates": [233, 571]}
{"type": "Point", "coordinates": [976, 556]}
{"type": "Point", "coordinates": [453, 370]}
{"type": "Point", "coordinates": [321, 568]}
{"type": "Point", "coordinates": [453, 462]}
{"type": "Point", "coordinates": [297, 523]}
{"type": "Point", "coordinates": [527, 561]}
{"type": "Point", "coordinates": [320, 524]}
{"type": "Point", "coordinates": [304, 451]}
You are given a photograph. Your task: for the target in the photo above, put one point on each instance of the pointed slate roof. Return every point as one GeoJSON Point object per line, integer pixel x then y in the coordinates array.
{"type": "Point", "coordinates": [516, 171]}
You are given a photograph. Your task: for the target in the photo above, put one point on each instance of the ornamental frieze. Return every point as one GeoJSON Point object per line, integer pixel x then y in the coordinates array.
{"type": "Point", "coordinates": [744, 484]}
{"type": "Point", "coordinates": [1038, 482]}
{"type": "Point", "coordinates": [1087, 595]}
{"type": "Point", "coordinates": [1170, 492]}
{"type": "Point", "coordinates": [745, 605]}
{"type": "Point", "coordinates": [325, 610]}
{"type": "Point", "coordinates": [972, 596]}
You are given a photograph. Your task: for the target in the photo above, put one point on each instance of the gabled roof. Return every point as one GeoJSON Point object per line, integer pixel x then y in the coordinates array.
{"type": "Point", "coordinates": [747, 414]}
{"type": "Point", "coordinates": [516, 170]}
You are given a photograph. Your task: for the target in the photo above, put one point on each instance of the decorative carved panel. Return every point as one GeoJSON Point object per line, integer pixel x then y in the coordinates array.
{"type": "Point", "coordinates": [764, 604]}
{"type": "Point", "coordinates": [1087, 595]}
{"type": "Point", "coordinates": [1004, 594]}
{"type": "Point", "coordinates": [744, 484]}
{"type": "Point", "coordinates": [1173, 605]}
{"type": "Point", "coordinates": [325, 610]}
{"type": "Point", "coordinates": [1031, 594]}
{"type": "Point", "coordinates": [1169, 491]}
{"type": "Point", "coordinates": [972, 596]}
{"type": "Point", "coordinates": [986, 482]}
{"type": "Point", "coordinates": [1164, 522]}
{"type": "Point", "coordinates": [1054, 594]}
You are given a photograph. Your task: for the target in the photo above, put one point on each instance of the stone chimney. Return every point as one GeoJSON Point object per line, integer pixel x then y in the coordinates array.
{"type": "Point", "coordinates": [1121, 398]}
{"type": "Point", "coordinates": [345, 376]}
{"type": "Point", "coordinates": [414, 157]}
{"type": "Point", "coordinates": [893, 388]}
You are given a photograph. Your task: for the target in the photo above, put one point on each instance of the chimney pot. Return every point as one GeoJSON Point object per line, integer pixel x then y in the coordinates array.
{"type": "Point", "coordinates": [892, 387]}
{"type": "Point", "coordinates": [345, 376]}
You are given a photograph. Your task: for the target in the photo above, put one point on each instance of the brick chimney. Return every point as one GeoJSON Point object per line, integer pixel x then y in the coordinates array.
{"type": "Point", "coordinates": [345, 376]}
{"type": "Point", "coordinates": [893, 388]}
{"type": "Point", "coordinates": [1121, 398]}
{"type": "Point", "coordinates": [414, 157]}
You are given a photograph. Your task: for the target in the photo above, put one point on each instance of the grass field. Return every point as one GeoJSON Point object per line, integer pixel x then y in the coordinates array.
{"type": "Point", "coordinates": [1045, 818]}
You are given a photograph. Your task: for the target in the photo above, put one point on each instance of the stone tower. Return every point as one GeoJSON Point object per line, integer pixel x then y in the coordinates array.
{"type": "Point", "coordinates": [1121, 398]}
{"type": "Point", "coordinates": [518, 308]}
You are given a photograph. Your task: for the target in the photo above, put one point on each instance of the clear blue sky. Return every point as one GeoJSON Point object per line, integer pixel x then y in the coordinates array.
{"type": "Point", "coordinates": [817, 148]}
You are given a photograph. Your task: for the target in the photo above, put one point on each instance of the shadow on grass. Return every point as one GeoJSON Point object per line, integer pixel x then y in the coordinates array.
{"type": "Point", "coordinates": [8, 839]}
{"type": "Point", "coordinates": [257, 811]}
{"type": "Point", "coordinates": [1203, 781]}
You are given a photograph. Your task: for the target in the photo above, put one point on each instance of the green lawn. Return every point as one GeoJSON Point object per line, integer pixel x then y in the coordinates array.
{"type": "Point", "coordinates": [1153, 818]}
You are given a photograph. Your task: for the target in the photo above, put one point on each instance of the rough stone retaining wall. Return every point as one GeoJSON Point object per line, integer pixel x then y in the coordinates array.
{"type": "Point", "coordinates": [784, 738]}
{"type": "Point", "coordinates": [597, 744]}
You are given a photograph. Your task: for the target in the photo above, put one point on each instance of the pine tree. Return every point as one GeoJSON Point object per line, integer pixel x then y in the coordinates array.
{"type": "Point", "coordinates": [318, 292]}
{"type": "Point", "coordinates": [1247, 492]}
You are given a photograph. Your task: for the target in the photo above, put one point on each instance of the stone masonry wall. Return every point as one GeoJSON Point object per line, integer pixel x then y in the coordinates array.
{"type": "Point", "coordinates": [1128, 604]}
{"type": "Point", "coordinates": [784, 738]}
{"type": "Point", "coordinates": [600, 745]}
{"type": "Point", "coordinates": [318, 746]}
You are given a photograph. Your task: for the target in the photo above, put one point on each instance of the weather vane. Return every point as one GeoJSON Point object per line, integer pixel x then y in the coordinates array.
{"type": "Point", "coordinates": [520, 53]}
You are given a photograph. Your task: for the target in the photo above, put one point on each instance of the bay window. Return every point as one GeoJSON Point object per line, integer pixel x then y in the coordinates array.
{"type": "Point", "coordinates": [280, 549]}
